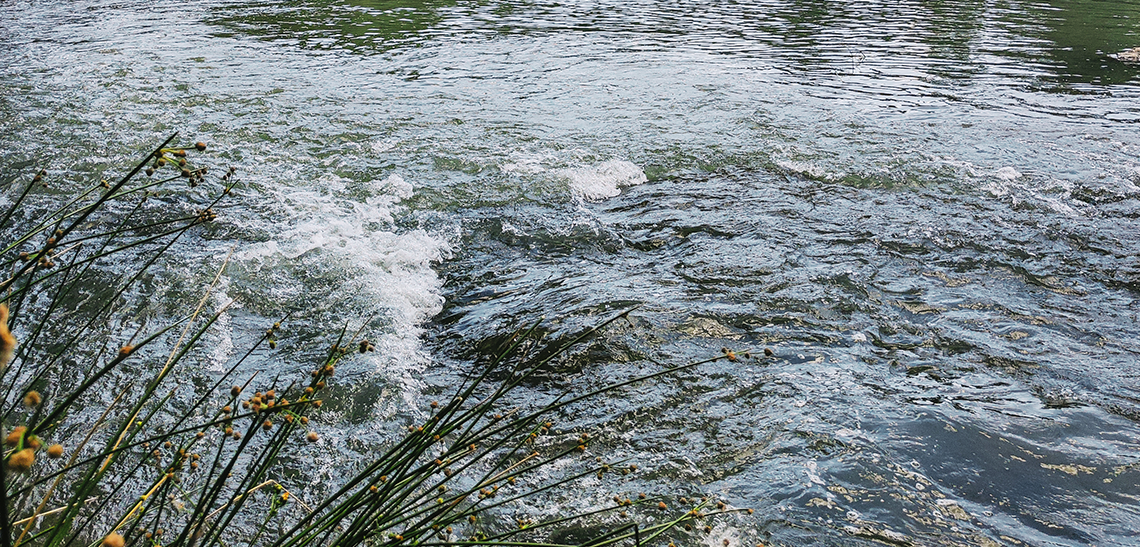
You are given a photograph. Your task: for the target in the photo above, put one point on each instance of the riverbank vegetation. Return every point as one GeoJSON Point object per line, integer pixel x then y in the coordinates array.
{"type": "Point", "coordinates": [109, 440]}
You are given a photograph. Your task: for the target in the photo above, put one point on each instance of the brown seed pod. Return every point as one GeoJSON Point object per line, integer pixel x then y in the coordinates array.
{"type": "Point", "coordinates": [55, 451]}
{"type": "Point", "coordinates": [14, 437]}
{"type": "Point", "coordinates": [267, 425]}
{"type": "Point", "coordinates": [312, 437]}
{"type": "Point", "coordinates": [768, 352]}
{"type": "Point", "coordinates": [126, 350]}
{"type": "Point", "coordinates": [21, 462]}
{"type": "Point", "coordinates": [234, 391]}
{"type": "Point", "coordinates": [32, 399]}
{"type": "Point", "coordinates": [200, 146]}
{"type": "Point", "coordinates": [113, 540]}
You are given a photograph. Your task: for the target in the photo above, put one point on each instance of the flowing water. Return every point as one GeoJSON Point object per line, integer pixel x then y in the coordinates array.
{"type": "Point", "coordinates": [926, 210]}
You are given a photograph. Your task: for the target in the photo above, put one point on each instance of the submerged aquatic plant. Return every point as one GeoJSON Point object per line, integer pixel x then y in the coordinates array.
{"type": "Point", "coordinates": [126, 465]}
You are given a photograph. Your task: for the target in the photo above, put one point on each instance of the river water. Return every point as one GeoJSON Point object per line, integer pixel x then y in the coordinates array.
{"type": "Point", "coordinates": [927, 211]}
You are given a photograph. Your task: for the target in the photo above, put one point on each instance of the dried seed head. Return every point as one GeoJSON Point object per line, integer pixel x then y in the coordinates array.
{"type": "Point", "coordinates": [113, 540]}
{"type": "Point", "coordinates": [312, 437]}
{"type": "Point", "coordinates": [7, 341]}
{"type": "Point", "coordinates": [768, 352]}
{"type": "Point", "coordinates": [661, 505]}
{"type": "Point", "coordinates": [304, 420]}
{"type": "Point", "coordinates": [14, 437]}
{"type": "Point", "coordinates": [267, 425]}
{"type": "Point", "coordinates": [33, 442]}
{"type": "Point", "coordinates": [234, 391]}
{"type": "Point", "coordinates": [32, 399]}
{"type": "Point", "coordinates": [55, 451]}
{"type": "Point", "coordinates": [21, 462]}
{"type": "Point", "coordinates": [200, 146]}
{"type": "Point", "coordinates": [126, 350]}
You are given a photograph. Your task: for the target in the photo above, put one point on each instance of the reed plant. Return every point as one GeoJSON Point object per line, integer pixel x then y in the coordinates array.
{"type": "Point", "coordinates": [102, 447]}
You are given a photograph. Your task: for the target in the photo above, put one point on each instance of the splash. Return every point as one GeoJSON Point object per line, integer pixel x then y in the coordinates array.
{"type": "Point", "coordinates": [604, 180]}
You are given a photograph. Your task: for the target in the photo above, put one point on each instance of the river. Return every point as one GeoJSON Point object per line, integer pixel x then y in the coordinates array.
{"type": "Point", "coordinates": [926, 210]}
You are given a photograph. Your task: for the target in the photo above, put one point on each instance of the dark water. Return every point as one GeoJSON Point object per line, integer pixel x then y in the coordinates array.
{"type": "Point", "coordinates": [927, 210]}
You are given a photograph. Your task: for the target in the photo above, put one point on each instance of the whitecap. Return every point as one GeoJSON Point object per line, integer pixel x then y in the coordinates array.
{"type": "Point", "coordinates": [604, 180]}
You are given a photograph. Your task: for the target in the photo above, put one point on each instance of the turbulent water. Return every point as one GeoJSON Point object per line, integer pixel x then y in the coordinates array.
{"type": "Point", "coordinates": [927, 211]}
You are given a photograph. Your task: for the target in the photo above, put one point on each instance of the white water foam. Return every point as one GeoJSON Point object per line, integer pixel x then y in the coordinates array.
{"type": "Point", "coordinates": [604, 180]}
{"type": "Point", "coordinates": [381, 271]}
{"type": "Point", "coordinates": [809, 170]}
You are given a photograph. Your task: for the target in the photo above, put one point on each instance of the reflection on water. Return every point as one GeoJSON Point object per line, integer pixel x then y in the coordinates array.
{"type": "Point", "coordinates": [925, 209]}
{"type": "Point", "coordinates": [1062, 41]}
{"type": "Point", "coordinates": [1084, 32]}
{"type": "Point", "coordinates": [358, 26]}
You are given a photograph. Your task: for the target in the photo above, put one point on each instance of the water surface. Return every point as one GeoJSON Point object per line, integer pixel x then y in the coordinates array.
{"type": "Point", "coordinates": [926, 210]}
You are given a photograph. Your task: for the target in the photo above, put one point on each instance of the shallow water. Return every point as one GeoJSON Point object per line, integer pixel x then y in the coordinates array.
{"type": "Point", "coordinates": [927, 210]}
